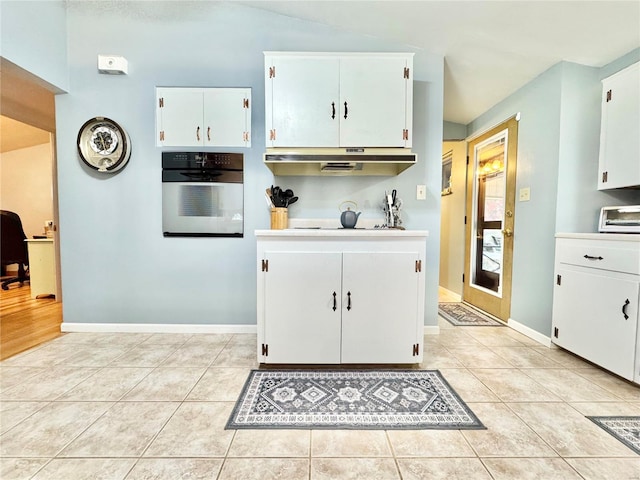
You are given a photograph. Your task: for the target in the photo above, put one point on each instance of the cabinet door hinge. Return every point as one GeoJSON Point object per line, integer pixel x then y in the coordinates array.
{"type": "Point", "coordinates": [605, 176]}
{"type": "Point", "coordinates": [609, 95]}
{"type": "Point", "coordinates": [418, 266]}
{"type": "Point", "coordinates": [161, 102]}
{"type": "Point", "coordinates": [245, 136]}
{"type": "Point", "coordinates": [463, 278]}
{"type": "Point", "coordinates": [555, 332]}
{"type": "Point", "coordinates": [265, 265]}
{"type": "Point", "coordinates": [162, 135]}
{"type": "Point", "coordinates": [465, 219]}
{"type": "Point", "coordinates": [558, 279]}
{"type": "Point", "coordinates": [406, 72]}
{"type": "Point", "coordinates": [405, 134]}
{"type": "Point", "coordinates": [265, 350]}
{"type": "Point", "coordinates": [416, 349]}
{"type": "Point", "coordinates": [272, 134]}
{"type": "Point", "coordinates": [272, 72]}
{"type": "Point", "coordinates": [245, 103]}
{"type": "Point", "coordinates": [467, 159]}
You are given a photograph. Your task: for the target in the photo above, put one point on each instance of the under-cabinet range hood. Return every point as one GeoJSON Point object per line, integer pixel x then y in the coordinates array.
{"type": "Point", "coordinates": [339, 161]}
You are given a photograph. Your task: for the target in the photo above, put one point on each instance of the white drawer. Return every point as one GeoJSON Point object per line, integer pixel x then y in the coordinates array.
{"type": "Point", "coordinates": [617, 256]}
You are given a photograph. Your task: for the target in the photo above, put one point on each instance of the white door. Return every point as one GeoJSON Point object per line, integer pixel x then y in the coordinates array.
{"type": "Point", "coordinates": [227, 117]}
{"type": "Point", "coordinates": [301, 98]}
{"type": "Point", "coordinates": [378, 327]}
{"type": "Point", "coordinates": [373, 95]}
{"type": "Point", "coordinates": [302, 307]}
{"type": "Point", "coordinates": [619, 139]}
{"type": "Point", "coordinates": [588, 312]}
{"type": "Point", "coordinates": [179, 117]}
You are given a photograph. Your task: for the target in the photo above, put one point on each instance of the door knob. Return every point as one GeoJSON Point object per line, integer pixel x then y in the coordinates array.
{"type": "Point", "coordinates": [507, 232]}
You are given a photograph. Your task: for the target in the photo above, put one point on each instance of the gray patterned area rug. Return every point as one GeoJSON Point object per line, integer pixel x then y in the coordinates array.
{"type": "Point", "coordinates": [462, 315]}
{"type": "Point", "coordinates": [350, 399]}
{"type": "Point", "coordinates": [624, 429]}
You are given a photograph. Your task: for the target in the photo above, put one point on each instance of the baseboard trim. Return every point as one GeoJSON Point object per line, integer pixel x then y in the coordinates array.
{"type": "Point", "coordinates": [155, 328]}
{"type": "Point", "coordinates": [431, 329]}
{"type": "Point", "coordinates": [529, 332]}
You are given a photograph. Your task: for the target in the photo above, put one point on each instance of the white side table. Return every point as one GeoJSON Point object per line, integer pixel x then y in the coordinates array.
{"type": "Point", "coordinates": [42, 267]}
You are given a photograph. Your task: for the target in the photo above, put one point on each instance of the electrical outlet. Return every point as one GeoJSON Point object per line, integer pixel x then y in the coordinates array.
{"type": "Point", "coordinates": [525, 194]}
{"type": "Point", "coordinates": [421, 192]}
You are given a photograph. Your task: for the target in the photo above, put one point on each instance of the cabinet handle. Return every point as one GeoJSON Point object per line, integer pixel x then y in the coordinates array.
{"type": "Point", "coordinates": [198, 133]}
{"type": "Point", "coordinates": [335, 303]}
{"type": "Point", "coordinates": [346, 110]}
{"type": "Point", "coordinates": [333, 110]}
{"type": "Point", "coordinates": [209, 134]}
{"type": "Point", "coordinates": [624, 309]}
{"type": "Point", "coordinates": [348, 300]}
{"type": "Point", "coordinates": [590, 257]}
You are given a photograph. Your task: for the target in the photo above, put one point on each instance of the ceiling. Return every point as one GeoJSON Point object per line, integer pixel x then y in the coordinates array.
{"type": "Point", "coordinates": [491, 48]}
{"type": "Point", "coordinates": [15, 135]}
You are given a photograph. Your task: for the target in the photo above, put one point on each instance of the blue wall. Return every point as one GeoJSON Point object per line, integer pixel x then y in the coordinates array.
{"type": "Point", "coordinates": [116, 265]}
{"type": "Point", "coordinates": [33, 36]}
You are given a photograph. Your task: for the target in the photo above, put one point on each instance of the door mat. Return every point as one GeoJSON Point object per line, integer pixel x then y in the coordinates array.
{"type": "Point", "coordinates": [623, 429]}
{"type": "Point", "coordinates": [462, 315]}
{"type": "Point", "coordinates": [350, 399]}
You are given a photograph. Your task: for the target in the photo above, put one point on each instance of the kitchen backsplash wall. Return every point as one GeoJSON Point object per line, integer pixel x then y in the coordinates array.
{"type": "Point", "coordinates": [116, 265]}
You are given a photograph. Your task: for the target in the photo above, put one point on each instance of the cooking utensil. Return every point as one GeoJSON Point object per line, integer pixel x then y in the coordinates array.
{"type": "Point", "coordinates": [390, 209]}
{"type": "Point", "coordinates": [291, 200]}
{"type": "Point", "coordinates": [268, 198]}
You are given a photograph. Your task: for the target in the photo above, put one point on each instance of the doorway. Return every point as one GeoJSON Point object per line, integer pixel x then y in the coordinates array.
{"type": "Point", "coordinates": [29, 187]}
{"type": "Point", "coordinates": [490, 216]}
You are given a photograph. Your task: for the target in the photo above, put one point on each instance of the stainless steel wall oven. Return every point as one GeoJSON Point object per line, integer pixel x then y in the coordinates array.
{"type": "Point", "coordinates": [202, 194]}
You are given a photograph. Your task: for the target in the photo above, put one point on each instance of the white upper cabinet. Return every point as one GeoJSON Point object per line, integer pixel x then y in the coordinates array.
{"type": "Point", "coordinates": [375, 102]}
{"type": "Point", "coordinates": [203, 117]}
{"type": "Point", "coordinates": [302, 102]}
{"type": "Point", "coordinates": [619, 135]}
{"type": "Point", "coordinates": [338, 100]}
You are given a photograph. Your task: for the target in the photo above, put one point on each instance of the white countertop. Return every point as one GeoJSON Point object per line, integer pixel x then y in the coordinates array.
{"type": "Point", "coordinates": [342, 232]}
{"type": "Point", "coordinates": [624, 237]}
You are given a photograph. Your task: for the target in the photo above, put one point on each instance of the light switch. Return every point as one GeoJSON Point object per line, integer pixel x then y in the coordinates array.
{"type": "Point", "coordinates": [421, 192]}
{"type": "Point", "coordinates": [525, 194]}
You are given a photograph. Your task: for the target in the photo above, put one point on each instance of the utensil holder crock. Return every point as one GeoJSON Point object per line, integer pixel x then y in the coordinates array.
{"type": "Point", "coordinates": [279, 218]}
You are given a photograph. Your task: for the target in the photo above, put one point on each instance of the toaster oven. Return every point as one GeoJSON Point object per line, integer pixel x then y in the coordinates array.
{"type": "Point", "coordinates": [623, 219]}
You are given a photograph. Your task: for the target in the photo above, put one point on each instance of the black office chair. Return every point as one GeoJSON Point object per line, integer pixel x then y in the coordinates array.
{"type": "Point", "coordinates": [13, 248]}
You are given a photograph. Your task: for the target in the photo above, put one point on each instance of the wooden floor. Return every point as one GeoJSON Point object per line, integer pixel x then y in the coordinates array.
{"type": "Point", "coordinates": [26, 322]}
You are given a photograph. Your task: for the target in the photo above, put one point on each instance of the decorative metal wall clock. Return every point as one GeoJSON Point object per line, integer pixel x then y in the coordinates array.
{"type": "Point", "coordinates": [104, 145]}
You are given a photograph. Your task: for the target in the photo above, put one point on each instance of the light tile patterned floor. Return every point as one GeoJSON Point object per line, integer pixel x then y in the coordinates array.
{"type": "Point", "coordinates": [143, 406]}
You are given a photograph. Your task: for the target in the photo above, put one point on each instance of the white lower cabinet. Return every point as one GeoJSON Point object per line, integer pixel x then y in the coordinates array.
{"type": "Point", "coordinates": [596, 302]}
{"type": "Point", "coordinates": [380, 307]}
{"type": "Point", "coordinates": [300, 323]}
{"type": "Point", "coordinates": [336, 306]}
